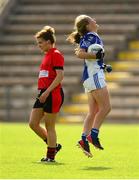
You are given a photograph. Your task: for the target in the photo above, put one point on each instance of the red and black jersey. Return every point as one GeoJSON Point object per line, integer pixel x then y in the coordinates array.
{"type": "Point", "coordinates": [52, 61]}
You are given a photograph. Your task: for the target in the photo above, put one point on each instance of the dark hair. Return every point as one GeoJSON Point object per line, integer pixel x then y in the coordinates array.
{"type": "Point", "coordinates": [47, 33]}
{"type": "Point", "coordinates": [80, 29]}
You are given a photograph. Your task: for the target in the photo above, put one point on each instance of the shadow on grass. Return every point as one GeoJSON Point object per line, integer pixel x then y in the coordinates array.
{"type": "Point", "coordinates": [100, 168]}
{"type": "Point", "coordinates": [49, 163]}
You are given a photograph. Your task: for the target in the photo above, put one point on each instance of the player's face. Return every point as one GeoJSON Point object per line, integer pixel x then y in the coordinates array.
{"type": "Point", "coordinates": [92, 26]}
{"type": "Point", "coordinates": [43, 44]}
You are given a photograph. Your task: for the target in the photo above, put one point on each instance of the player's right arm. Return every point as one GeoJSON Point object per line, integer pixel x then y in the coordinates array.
{"type": "Point", "coordinates": [82, 54]}
{"type": "Point", "coordinates": [81, 50]}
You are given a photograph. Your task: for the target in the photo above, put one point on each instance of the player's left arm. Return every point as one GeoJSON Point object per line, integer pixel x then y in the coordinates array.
{"type": "Point", "coordinates": [55, 83]}
{"type": "Point", "coordinates": [58, 79]}
{"type": "Point", "coordinates": [58, 66]}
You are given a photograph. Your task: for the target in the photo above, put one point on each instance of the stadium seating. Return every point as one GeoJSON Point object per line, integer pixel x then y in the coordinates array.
{"type": "Point", "coordinates": [20, 57]}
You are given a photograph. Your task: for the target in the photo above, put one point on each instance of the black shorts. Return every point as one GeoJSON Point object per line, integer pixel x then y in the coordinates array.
{"type": "Point", "coordinates": [53, 102]}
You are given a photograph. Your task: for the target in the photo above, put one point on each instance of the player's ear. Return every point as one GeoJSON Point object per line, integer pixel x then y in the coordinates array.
{"type": "Point", "coordinates": [87, 26]}
{"type": "Point", "coordinates": [48, 42]}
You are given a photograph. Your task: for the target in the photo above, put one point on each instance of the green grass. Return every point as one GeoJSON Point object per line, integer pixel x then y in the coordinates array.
{"type": "Point", "coordinates": [20, 149]}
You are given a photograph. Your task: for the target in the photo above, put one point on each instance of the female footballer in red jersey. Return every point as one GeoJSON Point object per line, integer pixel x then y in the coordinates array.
{"type": "Point", "coordinates": [51, 96]}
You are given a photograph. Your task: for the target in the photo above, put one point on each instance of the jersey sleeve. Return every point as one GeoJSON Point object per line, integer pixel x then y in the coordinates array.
{"type": "Point", "coordinates": [87, 41]}
{"type": "Point", "coordinates": [58, 61]}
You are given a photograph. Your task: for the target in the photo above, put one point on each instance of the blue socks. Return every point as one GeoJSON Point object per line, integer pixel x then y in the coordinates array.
{"type": "Point", "coordinates": [84, 137]}
{"type": "Point", "coordinates": [94, 133]}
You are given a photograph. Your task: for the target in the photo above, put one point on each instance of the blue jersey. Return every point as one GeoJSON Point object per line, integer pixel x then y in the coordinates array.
{"type": "Point", "coordinates": [88, 39]}
{"type": "Point", "coordinates": [90, 66]}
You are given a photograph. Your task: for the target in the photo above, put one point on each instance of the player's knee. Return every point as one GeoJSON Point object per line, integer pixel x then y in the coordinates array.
{"type": "Point", "coordinates": [105, 109]}
{"type": "Point", "coordinates": [32, 125]}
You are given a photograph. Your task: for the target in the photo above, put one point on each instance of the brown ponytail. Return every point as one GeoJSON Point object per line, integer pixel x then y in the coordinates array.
{"type": "Point", "coordinates": [80, 29]}
{"type": "Point", "coordinates": [74, 38]}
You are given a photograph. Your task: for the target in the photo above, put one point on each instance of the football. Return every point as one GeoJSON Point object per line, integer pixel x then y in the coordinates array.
{"type": "Point", "coordinates": [94, 48]}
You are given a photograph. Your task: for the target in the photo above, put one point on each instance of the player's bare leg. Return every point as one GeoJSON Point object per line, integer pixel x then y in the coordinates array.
{"type": "Point", "coordinates": [88, 122]}
{"type": "Point", "coordinates": [93, 109]}
{"type": "Point", "coordinates": [50, 120]}
{"type": "Point", "coordinates": [34, 122]}
{"type": "Point", "coordinates": [102, 99]}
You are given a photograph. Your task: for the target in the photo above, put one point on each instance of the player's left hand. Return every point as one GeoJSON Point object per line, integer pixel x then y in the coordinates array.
{"type": "Point", "coordinates": [44, 96]}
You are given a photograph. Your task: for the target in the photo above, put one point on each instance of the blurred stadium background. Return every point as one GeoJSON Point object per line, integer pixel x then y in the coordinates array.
{"type": "Point", "coordinates": [20, 57]}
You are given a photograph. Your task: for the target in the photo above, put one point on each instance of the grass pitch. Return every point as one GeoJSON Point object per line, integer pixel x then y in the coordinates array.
{"type": "Point", "coordinates": [20, 149]}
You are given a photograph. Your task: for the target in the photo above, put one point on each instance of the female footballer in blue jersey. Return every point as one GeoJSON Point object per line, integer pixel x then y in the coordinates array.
{"type": "Point", "coordinates": [85, 34]}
